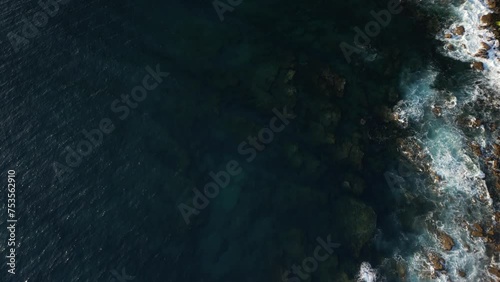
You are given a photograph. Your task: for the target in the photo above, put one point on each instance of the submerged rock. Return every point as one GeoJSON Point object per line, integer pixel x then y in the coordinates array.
{"type": "Point", "coordinates": [328, 270]}
{"type": "Point", "coordinates": [328, 82]}
{"type": "Point", "coordinates": [357, 222]}
{"type": "Point", "coordinates": [356, 156]}
{"type": "Point", "coordinates": [354, 184]}
{"type": "Point", "coordinates": [293, 243]}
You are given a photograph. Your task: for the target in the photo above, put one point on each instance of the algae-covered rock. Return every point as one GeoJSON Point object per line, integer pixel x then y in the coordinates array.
{"type": "Point", "coordinates": [341, 277]}
{"type": "Point", "coordinates": [356, 156]}
{"type": "Point", "coordinates": [354, 184]}
{"type": "Point", "coordinates": [290, 149]}
{"type": "Point", "coordinates": [328, 82]}
{"type": "Point", "coordinates": [330, 117]}
{"type": "Point", "coordinates": [327, 269]}
{"type": "Point", "coordinates": [351, 151]}
{"type": "Point", "coordinates": [294, 156]}
{"type": "Point", "coordinates": [311, 163]}
{"type": "Point", "coordinates": [330, 139]}
{"type": "Point", "coordinates": [296, 160]}
{"type": "Point", "coordinates": [265, 74]}
{"type": "Point", "coordinates": [316, 133]}
{"type": "Point", "coordinates": [292, 244]}
{"type": "Point", "coordinates": [342, 151]}
{"type": "Point", "coordinates": [356, 221]}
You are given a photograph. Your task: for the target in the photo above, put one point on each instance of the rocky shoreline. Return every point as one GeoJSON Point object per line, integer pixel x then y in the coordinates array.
{"type": "Point", "coordinates": [490, 22]}
{"type": "Point", "coordinates": [487, 230]}
{"type": "Point", "coordinates": [330, 147]}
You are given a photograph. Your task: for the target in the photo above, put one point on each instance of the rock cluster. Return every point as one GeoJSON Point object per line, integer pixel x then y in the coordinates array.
{"type": "Point", "coordinates": [490, 21]}
{"type": "Point", "coordinates": [437, 263]}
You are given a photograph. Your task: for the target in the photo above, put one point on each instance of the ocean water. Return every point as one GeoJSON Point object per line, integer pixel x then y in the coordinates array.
{"type": "Point", "coordinates": [318, 195]}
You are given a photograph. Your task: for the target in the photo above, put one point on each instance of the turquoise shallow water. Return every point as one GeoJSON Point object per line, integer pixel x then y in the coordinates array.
{"type": "Point", "coordinates": [317, 189]}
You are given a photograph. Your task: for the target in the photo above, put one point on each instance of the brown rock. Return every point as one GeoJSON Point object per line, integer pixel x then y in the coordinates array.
{"type": "Point", "coordinates": [437, 110]}
{"type": "Point", "coordinates": [476, 149]}
{"type": "Point", "coordinates": [497, 248]}
{"type": "Point", "coordinates": [446, 241]}
{"type": "Point", "coordinates": [475, 233]}
{"type": "Point", "coordinates": [482, 53]}
{"type": "Point", "coordinates": [461, 273]}
{"type": "Point", "coordinates": [491, 232]}
{"type": "Point", "coordinates": [477, 230]}
{"type": "Point", "coordinates": [485, 46]}
{"type": "Point", "coordinates": [450, 47]}
{"type": "Point", "coordinates": [487, 19]}
{"type": "Point", "coordinates": [448, 35]}
{"type": "Point", "coordinates": [494, 271]}
{"type": "Point", "coordinates": [478, 66]}
{"type": "Point", "coordinates": [436, 261]}
{"type": "Point", "coordinates": [496, 149]}
{"type": "Point", "coordinates": [491, 4]}
{"type": "Point", "coordinates": [459, 30]}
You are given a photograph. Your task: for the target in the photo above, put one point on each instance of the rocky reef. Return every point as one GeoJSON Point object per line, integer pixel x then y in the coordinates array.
{"type": "Point", "coordinates": [322, 175]}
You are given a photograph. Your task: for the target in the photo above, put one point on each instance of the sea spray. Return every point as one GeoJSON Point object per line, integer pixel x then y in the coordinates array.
{"type": "Point", "coordinates": [456, 188]}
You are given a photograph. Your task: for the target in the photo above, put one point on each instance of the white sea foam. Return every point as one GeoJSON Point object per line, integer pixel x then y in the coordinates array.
{"type": "Point", "coordinates": [367, 273]}
{"type": "Point", "coordinates": [461, 197]}
{"type": "Point", "coordinates": [467, 45]}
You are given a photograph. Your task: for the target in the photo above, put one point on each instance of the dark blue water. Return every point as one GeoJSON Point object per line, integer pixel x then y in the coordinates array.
{"type": "Point", "coordinates": [114, 215]}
